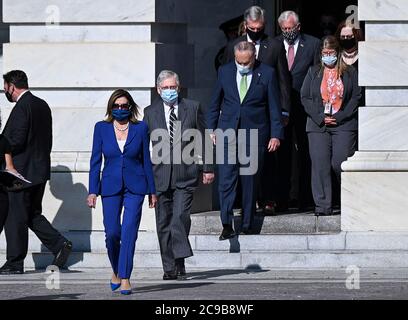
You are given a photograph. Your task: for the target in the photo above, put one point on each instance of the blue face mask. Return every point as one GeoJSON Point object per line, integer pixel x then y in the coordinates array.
{"type": "Point", "coordinates": [120, 115]}
{"type": "Point", "coordinates": [329, 60]}
{"type": "Point", "coordinates": [169, 96]}
{"type": "Point", "coordinates": [243, 70]}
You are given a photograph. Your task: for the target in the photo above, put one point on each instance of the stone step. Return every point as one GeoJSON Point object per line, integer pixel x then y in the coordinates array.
{"type": "Point", "coordinates": [289, 223]}
{"type": "Point", "coordinates": [147, 241]}
{"type": "Point", "coordinates": [319, 259]}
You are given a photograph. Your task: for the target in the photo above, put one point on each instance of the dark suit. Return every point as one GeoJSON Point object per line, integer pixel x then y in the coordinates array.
{"type": "Point", "coordinates": [29, 131]}
{"type": "Point", "coordinates": [272, 53]}
{"type": "Point", "coordinates": [260, 110]}
{"type": "Point", "coordinates": [329, 146]}
{"type": "Point", "coordinates": [175, 182]}
{"type": "Point", "coordinates": [293, 159]}
{"type": "Point", "coordinates": [4, 148]}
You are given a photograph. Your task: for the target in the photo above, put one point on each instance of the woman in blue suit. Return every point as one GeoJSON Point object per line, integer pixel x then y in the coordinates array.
{"type": "Point", "coordinates": [127, 177]}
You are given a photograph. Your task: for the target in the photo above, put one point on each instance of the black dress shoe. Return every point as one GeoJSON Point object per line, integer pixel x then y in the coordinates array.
{"type": "Point", "coordinates": [227, 232]}
{"type": "Point", "coordinates": [180, 269]}
{"type": "Point", "coordinates": [7, 270]}
{"type": "Point", "coordinates": [62, 256]}
{"type": "Point", "coordinates": [169, 276]}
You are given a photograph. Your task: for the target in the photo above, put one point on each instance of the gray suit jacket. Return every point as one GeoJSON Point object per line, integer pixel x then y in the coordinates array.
{"type": "Point", "coordinates": [168, 174]}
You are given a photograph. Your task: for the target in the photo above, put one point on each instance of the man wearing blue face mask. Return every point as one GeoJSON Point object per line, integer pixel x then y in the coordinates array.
{"type": "Point", "coordinates": [172, 118]}
{"type": "Point", "coordinates": [246, 98]}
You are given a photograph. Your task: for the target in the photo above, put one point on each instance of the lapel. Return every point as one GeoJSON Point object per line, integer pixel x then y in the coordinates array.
{"type": "Point", "coordinates": [160, 118]}
{"type": "Point", "coordinates": [182, 115]}
{"type": "Point", "coordinates": [263, 48]}
{"type": "Point", "coordinates": [299, 53]}
{"type": "Point", "coordinates": [233, 80]}
{"type": "Point", "coordinates": [131, 134]}
{"type": "Point", "coordinates": [256, 74]}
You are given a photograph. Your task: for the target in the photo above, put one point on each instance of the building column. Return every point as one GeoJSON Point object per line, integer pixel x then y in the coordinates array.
{"type": "Point", "coordinates": [76, 53]}
{"type": "Point", "coordinates": [375, 179]}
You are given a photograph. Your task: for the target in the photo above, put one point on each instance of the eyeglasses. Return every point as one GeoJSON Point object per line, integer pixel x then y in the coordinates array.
{"type": "Point", "coordinates": [328, 54]}
{"type": "Point", "coordinates": [125, 106]}
{"type": "Point", "coordinates": [255, 29]}
{"type": "Point", "coordinates": [169, 87]}
{"type": "Point", "coordinates": [348, 37]}
{"type": "Point", "coordinates": [290, 29]}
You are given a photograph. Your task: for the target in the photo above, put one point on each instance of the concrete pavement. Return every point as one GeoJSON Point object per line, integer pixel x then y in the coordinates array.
{"type": "Point", "coordinates": [206, 284]}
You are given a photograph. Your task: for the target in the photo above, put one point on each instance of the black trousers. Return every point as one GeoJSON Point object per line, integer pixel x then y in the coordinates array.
{"type": "Point", "coordinates": [3, 208]}
{"type": "Point", "coordinates": [25, 211]}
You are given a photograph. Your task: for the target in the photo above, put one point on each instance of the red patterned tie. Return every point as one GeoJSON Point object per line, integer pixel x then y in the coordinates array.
{"type": "Point", "coordinates": [291, 56]}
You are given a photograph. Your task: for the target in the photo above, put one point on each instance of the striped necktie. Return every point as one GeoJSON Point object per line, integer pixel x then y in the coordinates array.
{"type": "Point", "coordinates": [172, 121]}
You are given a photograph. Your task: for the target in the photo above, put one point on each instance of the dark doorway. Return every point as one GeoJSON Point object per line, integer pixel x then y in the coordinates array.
{"type": "Point", "coordinates": [318, 17]}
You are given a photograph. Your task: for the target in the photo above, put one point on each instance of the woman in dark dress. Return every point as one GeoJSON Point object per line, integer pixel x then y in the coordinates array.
{"type": "Point", "coordinates": [6, 162]}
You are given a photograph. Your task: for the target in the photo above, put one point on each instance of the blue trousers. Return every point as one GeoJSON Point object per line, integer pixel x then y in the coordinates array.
{"type": "Point", "coordinates": [121, 239]}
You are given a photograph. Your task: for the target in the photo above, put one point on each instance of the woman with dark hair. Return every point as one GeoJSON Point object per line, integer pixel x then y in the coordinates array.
{"type": "Point", "coordinates": [349, 36]}
{"type": "Point", "coordinates": [122, 140]}
{"type": "Point", "coordinates": [330, 95]}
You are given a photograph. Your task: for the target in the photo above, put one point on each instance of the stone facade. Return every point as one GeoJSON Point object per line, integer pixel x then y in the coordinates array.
{"type": "Point", "coordinates": [375, 181]}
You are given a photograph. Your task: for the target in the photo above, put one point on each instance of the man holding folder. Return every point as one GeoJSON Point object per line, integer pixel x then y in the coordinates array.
{"type": "Point", "coordinates": [29, 132]}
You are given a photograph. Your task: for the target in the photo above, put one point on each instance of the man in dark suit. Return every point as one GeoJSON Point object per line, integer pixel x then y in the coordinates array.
{"type": "Point", "coordinates": [293, 161]}
{"type": "Point", "coordinates": [271, 52]}
{"type": "Point", "coordinates": [246, 99]}
{"type": "Point", "coordinates": [171, 120]}
{"type": "Point", "coordinates": [29, 131]}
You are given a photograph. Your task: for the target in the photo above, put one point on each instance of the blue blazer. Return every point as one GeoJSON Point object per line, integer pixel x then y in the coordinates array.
{"type": "Point", "coordinates": [260, 109]}
{"type": "Point", "coordinates": [132, 169]}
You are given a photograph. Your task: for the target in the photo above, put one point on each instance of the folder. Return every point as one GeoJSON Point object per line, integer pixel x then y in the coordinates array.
{"type": "Point", "coordinates": [12, 181]}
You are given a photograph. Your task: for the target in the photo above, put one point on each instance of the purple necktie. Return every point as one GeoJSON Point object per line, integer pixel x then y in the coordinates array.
{"type": "Point", "coordinates": [291, 56]}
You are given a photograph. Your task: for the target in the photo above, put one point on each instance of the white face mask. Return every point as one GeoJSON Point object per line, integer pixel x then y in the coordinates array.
{"type": "Point", "coordinates": [243, 69]}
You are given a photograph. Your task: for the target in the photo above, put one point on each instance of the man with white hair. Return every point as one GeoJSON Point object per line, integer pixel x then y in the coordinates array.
{"type": "Point", "coordinates": [302, 52]}
{"type": "Point", "coordinates": [171, 119]}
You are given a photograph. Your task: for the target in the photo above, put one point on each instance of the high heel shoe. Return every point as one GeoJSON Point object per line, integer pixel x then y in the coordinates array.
{"type": "Point", "coordinates": [115, 286]}
{"type": "Point", "coordinates": [126, 292]}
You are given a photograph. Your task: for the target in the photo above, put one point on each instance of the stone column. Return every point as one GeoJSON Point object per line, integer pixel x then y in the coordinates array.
{"type": "Point", "coordinates": [76, 53]}
{"type": "Point", "coordinates": [375, 179]}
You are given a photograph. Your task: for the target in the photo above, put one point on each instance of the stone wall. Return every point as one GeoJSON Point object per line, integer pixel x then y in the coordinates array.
{"type": "Point", "coordinates": [375, 181]}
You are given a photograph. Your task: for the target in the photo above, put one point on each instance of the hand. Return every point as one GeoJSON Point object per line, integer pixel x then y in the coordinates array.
{"type": "Point", "coordinates": [285, 120]}
{"type": "Point", "coordinates": [91, 200]}
{"type": "Point", "coordinates": [208, 177]}
{"type": "Point", "coordinates": [152, 201]}
{"type": "Point", "coordinates": [330, 121]}
{"type": "Point", "coordinates": [212, 136]}
{"type": "Point", "coordinates": [273, 145]}
{"type": "Point", "coordinates": [12, 170]}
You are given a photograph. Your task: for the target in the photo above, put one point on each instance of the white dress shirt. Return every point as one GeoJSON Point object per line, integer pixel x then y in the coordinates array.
{"type": "Point", "coordinates": [256, 43]}
{"type": "Point", "coordinates": [121, 144]}
{"type": "Point", "coordinates": [167, 111]}
{"type": "Point", "coordinates": [249, 79]}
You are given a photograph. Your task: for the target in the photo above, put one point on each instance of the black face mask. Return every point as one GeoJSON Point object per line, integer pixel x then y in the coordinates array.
{"type": "Point", "coordinates": [290, 36]}
{"type": "Point", "coordinates": [9, 96]}
{"type": "Point", "coordinates": [255, 36]}
{"type": "Point", "coordinates": [348, 43]}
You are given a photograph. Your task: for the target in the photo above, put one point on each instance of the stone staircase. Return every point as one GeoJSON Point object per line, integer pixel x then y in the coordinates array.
{"type": "Point", "coordinates": [288, 241]}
